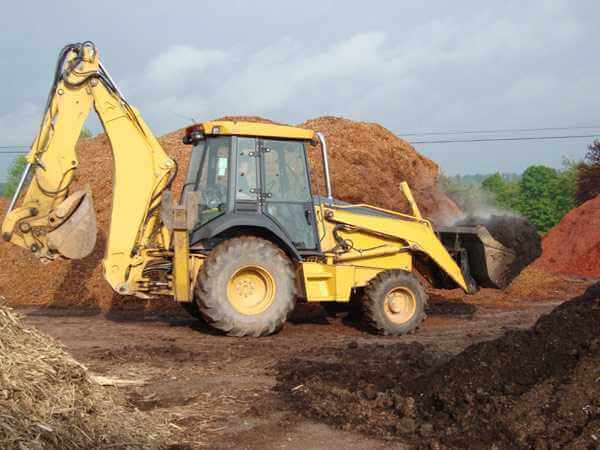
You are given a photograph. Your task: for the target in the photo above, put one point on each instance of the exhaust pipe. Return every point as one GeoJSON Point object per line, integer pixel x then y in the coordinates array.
{"type": "Point", "coordinates": [325, 167]}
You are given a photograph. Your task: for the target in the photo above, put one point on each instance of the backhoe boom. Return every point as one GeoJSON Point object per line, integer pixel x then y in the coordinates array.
{"type": "Point", "coordinates": [49, 219]}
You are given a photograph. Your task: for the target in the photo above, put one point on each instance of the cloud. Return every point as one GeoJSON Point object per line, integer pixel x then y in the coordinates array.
{"type": "Point", "coordinates": [438, 66]}
{"type": "Point", "coordinates": [284, 75]}
{"type": "Point", "coordinates": [172, 71]}
{"type": "Point", "coordinates": [446, 68]}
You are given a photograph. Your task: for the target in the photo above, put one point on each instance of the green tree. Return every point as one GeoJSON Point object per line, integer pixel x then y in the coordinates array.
{"type": "Point", "coordinates": [14, 175]}
{"type": "Point", "coordinates": [588, 174]}
{"type": "Point", "coordinates": [546, 195]}
{"type": "Point", "coordinates": [542, 194]}
{"type": "Point", "coordinates": [86, 133]}
{"type": "Point", "coordinates": [494, 183]}
{"type": "Point", "coordinates": [504, 190]}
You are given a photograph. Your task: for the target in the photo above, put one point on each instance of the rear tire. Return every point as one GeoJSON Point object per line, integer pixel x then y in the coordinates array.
{"type": "Point", "coordinates": [394, 303]}
{"type": "Point", "coordinates": [246, 287]}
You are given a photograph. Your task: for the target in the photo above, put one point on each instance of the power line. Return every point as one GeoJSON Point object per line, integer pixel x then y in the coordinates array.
{"type": "Point", "coordinates": [441, 141]}
{"type": "Point", "coordinates": [498, 130]}
{"type": "Point", "coordinates": [523, 138]}
{"type": "Point", "coordinates": [14, 152]}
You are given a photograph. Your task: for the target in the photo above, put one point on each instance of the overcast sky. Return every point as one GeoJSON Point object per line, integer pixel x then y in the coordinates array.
{"type": "Point", "coordinates": [431, 66]}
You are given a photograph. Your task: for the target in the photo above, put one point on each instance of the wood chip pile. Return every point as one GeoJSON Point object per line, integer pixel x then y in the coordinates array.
{"type": "Point", "coordinates": [47, 399]}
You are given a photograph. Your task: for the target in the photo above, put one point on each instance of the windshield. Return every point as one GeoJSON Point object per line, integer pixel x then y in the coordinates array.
{"type": "Point", "coordinates": [208, 174]}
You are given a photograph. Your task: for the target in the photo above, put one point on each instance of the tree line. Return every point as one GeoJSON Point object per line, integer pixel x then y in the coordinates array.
{"type": "Point", "coordinates": [541, 194]}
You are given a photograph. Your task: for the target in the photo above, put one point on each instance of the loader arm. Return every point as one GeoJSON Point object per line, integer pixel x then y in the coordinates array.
{"type": "Point", "coordinates": [49, 219]}
{"type": "Point", "coordinates": [416, 232]}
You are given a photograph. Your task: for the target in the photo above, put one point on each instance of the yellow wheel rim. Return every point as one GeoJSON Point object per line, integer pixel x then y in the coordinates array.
{"type": "Point", "coordinates": [251, 290]}
{"type": "Point", "coordinates": [400, 305]}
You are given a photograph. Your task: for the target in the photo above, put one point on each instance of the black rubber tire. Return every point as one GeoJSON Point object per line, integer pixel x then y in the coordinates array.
{"type": "Point", "coordinates": [222, 263]}
{"type": "Point", "coordinates": [373, 308]}
{"type": "Point", "coordinates": [192, 309]}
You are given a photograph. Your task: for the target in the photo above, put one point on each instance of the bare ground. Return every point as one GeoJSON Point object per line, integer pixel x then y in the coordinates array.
{"type": "Point", "coordinates": [218, 391]}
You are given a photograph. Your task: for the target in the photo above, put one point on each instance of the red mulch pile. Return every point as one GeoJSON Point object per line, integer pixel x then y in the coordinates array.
{"type": "Point", "coordinates": [367, 163]}
{"type": "Point", "coordinates": [573, 246]}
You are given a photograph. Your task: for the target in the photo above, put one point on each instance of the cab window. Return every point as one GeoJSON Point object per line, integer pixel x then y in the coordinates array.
{"type": "Point", "coordinates": [213, 178]}
{"type": "Point", "coordinates": [247, 170]}
{"type": "Point", "coordinates": [286, 175]}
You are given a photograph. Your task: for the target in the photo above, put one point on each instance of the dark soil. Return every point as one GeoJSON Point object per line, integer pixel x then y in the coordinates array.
{"type": "Point", "coordinates": [535, 388]}
{"type": "Point", "coordinates": [217, 392]}
{"type": "Point", "coordinates": [515, 233]}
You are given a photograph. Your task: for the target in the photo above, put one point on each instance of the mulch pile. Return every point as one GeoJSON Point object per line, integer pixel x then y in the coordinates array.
{"type": "Point", "coordinates": [47, 399]}
{"type": "Point", "coordinates": [535, 388]}
{"type": "Point", "coordinates": [573, 246]}
{"type": "Point", "coordinates": [367, 162]}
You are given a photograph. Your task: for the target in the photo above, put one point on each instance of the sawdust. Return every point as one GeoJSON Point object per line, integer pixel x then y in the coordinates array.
{"type": "Point", "coordinates": [47, 399]}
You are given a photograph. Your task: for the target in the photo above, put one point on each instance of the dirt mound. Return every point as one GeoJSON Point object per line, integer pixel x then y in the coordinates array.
{"type": "Point", "coordinates": [368, 163]}
{"type": "Point", "coordinates": [573, 246]}
{"type": "Point", "coordinates": [360, 154]}
{"type": "Point", "coordinates": [48, 401]}
{"type": "Point", "coordinates": [515, 233]}
{"type": "Point", "coordinates": [530, 388]}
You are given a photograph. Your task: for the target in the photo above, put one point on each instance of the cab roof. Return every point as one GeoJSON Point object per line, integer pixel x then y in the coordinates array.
{"type": "Point", "coordinates": [254, 129]}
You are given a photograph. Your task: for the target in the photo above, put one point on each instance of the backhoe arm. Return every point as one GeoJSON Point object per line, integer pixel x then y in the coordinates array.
{"type": "Point", "coordinates": [50, 220]}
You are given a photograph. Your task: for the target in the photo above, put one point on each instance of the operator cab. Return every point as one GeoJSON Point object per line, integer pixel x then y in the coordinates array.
{"type": "Point", "coordinates": [252, 175]}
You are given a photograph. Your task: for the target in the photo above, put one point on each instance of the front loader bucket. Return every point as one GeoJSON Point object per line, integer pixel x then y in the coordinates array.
{"type": "Point", "coordinates": [490, 262]}
{"type": "Point", "coordinates": [74, 235]}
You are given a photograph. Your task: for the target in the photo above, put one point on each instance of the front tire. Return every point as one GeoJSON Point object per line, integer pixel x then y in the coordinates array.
{"type": "Point", "coordinates": [394, 303]}
{"type": "Point", "coordinates": [246, 287]}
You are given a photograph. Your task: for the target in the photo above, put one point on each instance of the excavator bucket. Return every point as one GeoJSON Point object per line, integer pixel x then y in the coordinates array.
{"type": "Point", "coordinates": [74, 234]}
{"type": "Point", "coordinates": [490, 263]}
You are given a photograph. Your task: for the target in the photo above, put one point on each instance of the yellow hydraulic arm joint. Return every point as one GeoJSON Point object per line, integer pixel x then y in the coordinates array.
{"type": "Point", "coordinates": [48, 218]}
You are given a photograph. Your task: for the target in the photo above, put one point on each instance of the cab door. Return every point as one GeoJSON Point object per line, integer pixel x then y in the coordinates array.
{"type": "Point", "coordinates": [285, 193]}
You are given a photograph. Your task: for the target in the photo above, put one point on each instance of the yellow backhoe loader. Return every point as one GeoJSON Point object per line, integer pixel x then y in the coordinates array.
{"type": "Point", "coordinates": [247, 237]}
